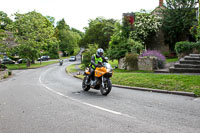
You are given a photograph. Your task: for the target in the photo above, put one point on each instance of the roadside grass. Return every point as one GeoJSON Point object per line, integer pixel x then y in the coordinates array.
{"type": "Point", "coordinates": [23, 66]}
{"type": "Point", "coordinates": [148, 79]}
{"type": "Point", "coordinates": [71, 68]}
{"type": "Point", "coordinates": [171, 82]}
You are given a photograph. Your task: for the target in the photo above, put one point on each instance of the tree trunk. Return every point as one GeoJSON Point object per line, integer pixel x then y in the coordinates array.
{"type": "Point", "coordinates": [28, 64]}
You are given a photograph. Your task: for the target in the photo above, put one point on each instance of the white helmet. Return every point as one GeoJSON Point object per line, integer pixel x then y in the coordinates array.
{"type": "Point", "coordinates": [100, 52]}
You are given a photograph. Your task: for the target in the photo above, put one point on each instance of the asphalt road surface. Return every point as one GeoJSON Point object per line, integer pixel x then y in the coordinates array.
{"type": "Point", "coordinates": [47, 100]}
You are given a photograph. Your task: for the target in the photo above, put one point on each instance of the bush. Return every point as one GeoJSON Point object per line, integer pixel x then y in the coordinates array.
{"type": "Point", "coordinates": [2, 67]}
{"type": "Point", "coordinates": [88, 54]}
{"type": "Point", "coordinates": [154, 53]}
{"type": "Point", "coordinates": [185, 48]}
{"type": "Point", "coordinates": [136, 47]}
{"type": "Point", "coordinates": [9, 72]}
{"type": "Point", "coordinates": [131, 60]}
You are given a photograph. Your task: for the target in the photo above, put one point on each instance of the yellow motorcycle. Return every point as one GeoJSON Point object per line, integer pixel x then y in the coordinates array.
{"type": "Point", "coordinates": [101, 80]}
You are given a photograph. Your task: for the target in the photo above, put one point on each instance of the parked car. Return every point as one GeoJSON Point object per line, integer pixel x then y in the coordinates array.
{"type": "Point", "coordinates": [72, 58]}
{"type": "Point", "coordinates": [7, 61]}
{"type": "Point", "coordinates": [43, 58]}
{"type": "Point", "coordinates": [21, 61]}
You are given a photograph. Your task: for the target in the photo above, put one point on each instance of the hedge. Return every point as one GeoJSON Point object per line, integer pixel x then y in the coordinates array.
{"type": "Point", "coordinates": [186, 48]}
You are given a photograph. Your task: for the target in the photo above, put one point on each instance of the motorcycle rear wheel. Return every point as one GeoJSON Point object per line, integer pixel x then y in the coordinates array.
{"type": "Point", "coordinates": [85, 87]}
{"type": "Point", "coordinates": [107, 88]}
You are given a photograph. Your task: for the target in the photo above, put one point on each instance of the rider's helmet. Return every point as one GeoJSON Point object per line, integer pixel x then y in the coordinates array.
{"type": "Point", "coordinates": [100, 52]}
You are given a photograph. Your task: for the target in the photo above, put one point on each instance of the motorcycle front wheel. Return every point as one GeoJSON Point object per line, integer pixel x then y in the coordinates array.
{"type": "Point", "coordinates": [85, 87]}
{"type": "Point", "coordinates": [107, 88]}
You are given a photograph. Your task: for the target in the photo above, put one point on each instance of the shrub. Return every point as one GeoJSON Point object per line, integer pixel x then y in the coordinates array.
{"type": "Point", "coordinates": [9, 72]}
{"type": "Point", "coordinates": [154, 53]}
{"type": "Point", "coordinates": [131, 60]}
{"type": "Point", "coordinates": [2, 67]}
{"type": "Point", "coordinates": [88, 54]}
{"type": "Point", "coordinates": [136, 47]}
{"type": "Point", "coordinates": [185, 48]}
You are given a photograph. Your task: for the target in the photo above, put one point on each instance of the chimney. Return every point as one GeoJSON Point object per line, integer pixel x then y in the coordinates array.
{"type": "Point", "coordinates": [160, 3]}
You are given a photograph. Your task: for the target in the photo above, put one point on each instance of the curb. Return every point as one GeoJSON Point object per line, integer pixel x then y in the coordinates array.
{"type": "Point", "coordinates": [146, 89]}
{"type": "Point", "coordinates": [157, 90]}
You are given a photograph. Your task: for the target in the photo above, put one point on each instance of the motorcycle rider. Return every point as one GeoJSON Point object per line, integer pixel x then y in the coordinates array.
{"type": "Point", "coordinates": [98, 57]}
{"type": "Point", "coordinates": [60, 62]}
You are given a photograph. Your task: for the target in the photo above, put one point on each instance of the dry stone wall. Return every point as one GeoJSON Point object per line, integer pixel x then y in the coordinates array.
{"type": "Point", "coordinates": [145, 63]}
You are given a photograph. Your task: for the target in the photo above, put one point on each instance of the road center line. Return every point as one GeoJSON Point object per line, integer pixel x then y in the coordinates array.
{"type": "Point", "coordinates": [76, 100]}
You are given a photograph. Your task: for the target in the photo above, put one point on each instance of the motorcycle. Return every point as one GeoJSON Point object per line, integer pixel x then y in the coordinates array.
{"type": "Point", "coordinates": [101, 81]}
{"type": "Point", "coordinates": [60, 62]}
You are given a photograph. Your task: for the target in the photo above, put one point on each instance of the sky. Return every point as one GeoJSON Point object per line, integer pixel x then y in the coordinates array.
{"type": "Point", "coordinates": [77, 12]}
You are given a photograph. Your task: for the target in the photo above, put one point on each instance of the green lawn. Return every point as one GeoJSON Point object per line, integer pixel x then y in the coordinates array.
{"type": "Point", "coordinates": [148, 79]}
{"type": "Point", "coordinates": [23, 66]}
{"type": "Point", "coordinates": [171, 82]}
{"type": "Point", "coordinates": [171, 60]}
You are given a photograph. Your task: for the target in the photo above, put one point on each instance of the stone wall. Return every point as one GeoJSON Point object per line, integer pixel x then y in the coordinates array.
{"type": "Point", "coordinates": [121, 63]}
{"type": "Point", "coordinates": [145, 63]}
{"type": "Point", "coordinates": [3, 74]}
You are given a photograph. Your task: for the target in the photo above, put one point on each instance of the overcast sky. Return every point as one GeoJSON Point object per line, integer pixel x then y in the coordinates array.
{"type": "Point", "coordinates": [77, 12]}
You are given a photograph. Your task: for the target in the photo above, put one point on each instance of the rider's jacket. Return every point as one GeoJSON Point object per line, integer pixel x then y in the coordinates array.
{"type": "Point", "coordinates": [95, 60]}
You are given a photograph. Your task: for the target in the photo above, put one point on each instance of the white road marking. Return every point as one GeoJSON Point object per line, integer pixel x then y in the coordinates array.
{"type": "Point", "coordinates": [88, 104]}
{"type": "Point", "coordinates": [197, 99]}
{"type": "Point", "coordinates": [20, 73]}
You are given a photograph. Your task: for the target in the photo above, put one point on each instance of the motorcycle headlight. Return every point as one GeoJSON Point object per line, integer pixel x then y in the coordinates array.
{"type": "Point", "coordinates": [109, 70]}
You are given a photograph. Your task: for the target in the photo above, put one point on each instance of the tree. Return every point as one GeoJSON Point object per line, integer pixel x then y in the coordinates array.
{"type": "Point", "coordinates": [61, 25]}
{"type": "Point", "coordinates": [99, 32]}
{"type": "Point", "coordinates": [68, 38]}
{"type": "Point", "coordinates": [118, 45]}
{"type": "Point", "coordinates": [34, 33]}
{"type": "Point", "coordinates": [3, 47]}
{"type": "Point", "coordinates": [51, 19]}
{"type": "Point", "coordinates": [4, 20]}
{"type": "Point", "coordinates": [129, 37]}
{"type": "Point", "coordinates": [178, 17]}
{"type": "Point", "coordinates": [145, 27]}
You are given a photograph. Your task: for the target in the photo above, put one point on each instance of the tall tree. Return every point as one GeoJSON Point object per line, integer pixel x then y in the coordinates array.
{"type": "Point", "coordinates": [178, 17]}
{"type": "Point", "coordinates": [61, 25]}
{"type": "Point", "coordinates": [34, 33]}
{"type": "Point", "coordinates": [68, 38]}
{"type": "Point", "coordinates": [4, 20]}
{"type": "Point", "coordinates": [99, 32]}
{"type": "Point", "coordinates": [51, 19]}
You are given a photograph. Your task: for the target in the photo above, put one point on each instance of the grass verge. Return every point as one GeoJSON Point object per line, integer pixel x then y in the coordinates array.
{"type": "Point", "coordinates": [71, 68]}
{"type": "Point", "coordinates": [23, 66]}
{"type": "Point", "coordinates": [145, 79]}
{"type": "Point", "coordinates": [171, 82]}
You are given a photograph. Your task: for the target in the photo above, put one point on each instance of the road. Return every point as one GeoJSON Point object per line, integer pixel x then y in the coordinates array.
{"type": "Point", "coordinates": [47, 100]}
